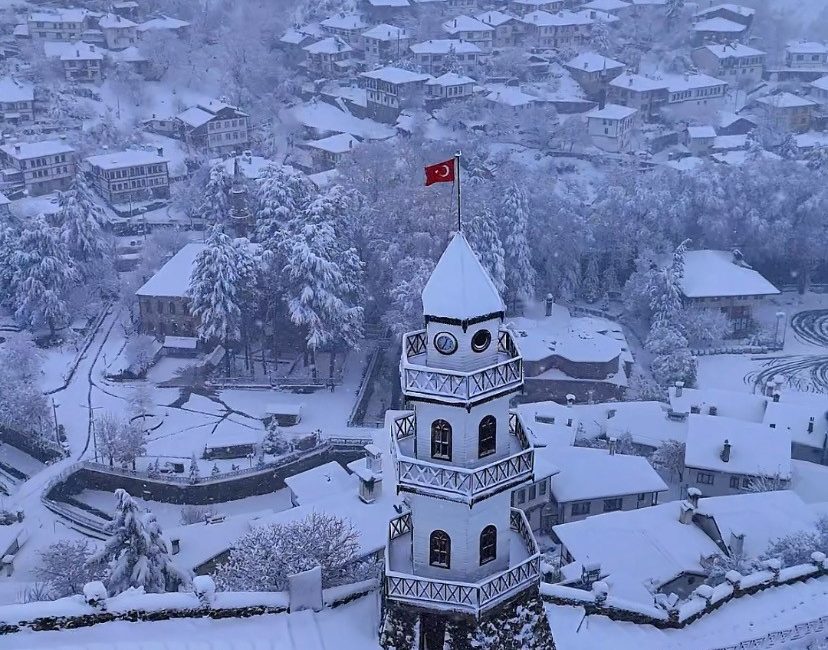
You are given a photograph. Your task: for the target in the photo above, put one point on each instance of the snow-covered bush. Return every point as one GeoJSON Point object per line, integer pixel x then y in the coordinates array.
{"type": "Point", "coordinates": [262, 559]}
{"type": "Point", "coordinates": [205, 588]}
{"type": "Point", "coordinates": [94, 593]}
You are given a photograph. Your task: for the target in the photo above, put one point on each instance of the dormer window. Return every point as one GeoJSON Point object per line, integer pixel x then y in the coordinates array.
{"type": "Point", "coordinates": [445, 343]}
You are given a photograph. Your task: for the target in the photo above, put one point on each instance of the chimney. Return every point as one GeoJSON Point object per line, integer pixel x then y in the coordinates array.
{"type": "Point", "coordinates": [77, 53]}
{"type": "Point", "coordinates": [686, 512]}
{"type": "Point", "coordinates": [160, 151]}
{"type": "Point", "coordinates": [455, 22]}
{"type": "Point", "coordinates": [679, 388]}
{"type": "Point", "coordinates": [613, 443]}
{"type": "Point", "coordinates": [776, 395]}
{"type": "Point", "coordinates": [769, 388]}
{"type": "Point", "coordinates": [630, 80]}
{"type": "Point", "coordinates": [725, 455]}
{"type": "Point", "coordinates": [693, 496]}
{"type": "Point", "coordinates": [811, 424]}
{"type": "Point", "coordinates": [17, 148]}
{"type": "Point", "coordinates": [370, 480]}
{"type": "Point", "coordinates": [373, 459]}
{"type": "Point", "coordinates": [550, 302]}
{"type": "Point", "coordinates": [737, 543]}
{"type": "Point", "coordinates": [175, 545]}
{"type": "Point", "coordinates": [713, 409]}
{"type": "Point", "coordinates": [570, 399]}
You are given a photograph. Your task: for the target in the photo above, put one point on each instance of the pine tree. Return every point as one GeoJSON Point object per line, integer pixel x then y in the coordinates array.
{"type": "Point", "coordinates": [514, 220]}
{"type": "Point", "coordinates": [215, 208]}
{"type": "Point", "coordinates": [481, 231]}
{"type": "Point", "coordinates": [43, 274]}
{"type": "Point", "coordinates": [80, 222]}
{"type": "Point", "coordinates": [214, 291]}
{"type": "Point", "coordinates": [323, 278]}
{"type": "Point", "coordinates": [136, 552]}
{"type": "Point", "coordinates": [590, 283]}
{"type": "Point", "coordinates": [280, 195]}
{"type": "Point", "coordinates": [789, 150]}
{"type": "Point", "coordinates": [194, 471]}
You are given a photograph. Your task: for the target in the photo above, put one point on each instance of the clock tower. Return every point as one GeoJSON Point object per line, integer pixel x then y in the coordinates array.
{"type": "Point", "coordinates": [459, 554]}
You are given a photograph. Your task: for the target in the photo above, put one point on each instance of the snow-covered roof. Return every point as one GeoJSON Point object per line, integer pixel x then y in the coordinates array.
{"type": "Point", "coordinates": [81, 51]}
{"type": "Point", "coordinates": [719, 24]}
{"type": "Point", "coordinates": [511, 96]}
{"type": "Point", "coordinates": [339, 143]}
{"type": "Point", "coordinates": [14, 91]}
{"type": "Point", "coordinates": [388, 3]}
{"type": "Point", "coordinates": [646, 422]}
{"type": "Point", "coordinates": [598, 16]}
{"type": "Point", "coordinates": [727, 6]}
{"type": "Point", "coordinates": [450, 79]}
{"type": "Point", "coordinates": [294, 36]}
{"type": "Point", "coordinates": [128, 55]}
{"type": "Point", "coordinates": [59, 16]}
{"type": "Point", "coordinates": [550, 424]}
{"type": "Point", "coordinates": [195, 116]}
{"type": "Point", "coordinates": [21, 30]}
{"type": "Point", "coordinates": [700, 132]}
{"type": "Point", "coordinates": [677, 83]}
{"type": "Point", "coordinates": [606, 5]}
{"type": "Point", "coordinates": [9, 535]}
{"type": "Point", "coordinates": [592, 61]}
{"type": "Point", "coordinates": [163, 22]}
{"type": "Point", "coordinates": [464, 23]}
{"type": "Point", "coordinates": [250, 166]}
{"type": "Point", "coordinates": [495, 18]}
{"type": "Point", "coordinates": [756, 449]}
{"type": "Point", "coordinates": [729, 142]}
{"type": "Point", "coordinates": [785, 100]}
{"type": "Point", "coordinates": [330, 45]}
{"type": "Point", "coordinates": [181, 342]}
{"type": "Point", "coordinates": [807, 47]}
{"type": "Point", "coordinates": [322, 116]}
{"type": "Point", "coordinates": [709, 273]}
{"type": "Point", "coordinates": [587, 473]}
{"type": "Point", "coordinates": [114, 21]}
{"type": "Point", "coordinates": [29, 150]}
{"type": "Point", "coordinates": [821, 83]}
{"type": "Point", "coordinates": [735, 50]}
{"type": "Point", "coordinates": [559, 19]}
{"type": "Point", "coordinates": [611, 112]}
{"type": "Point", "coordinates": [394, 75]}
{"type": "Point", "coordinates": [385, 32]}
{"type": "Point", "coordinates": [637, 82]}
{"type": "Point", "coordinates": [444, 46]}
{"type": "Point", "coordinates": [321, 482]}
{"type": "Point", "coordinates": [636, 548]}
{"type": "Point", "coordinates": [578, 340]}
{"type": "Point", "coordinates": [737, 158]}
{"type": "Point", "coordinates": [345, 21]}
{"type": "Point", "coordinates": [727, 118]}
{"type": "Point", "coordinates": [173, 279]}
{"type": "Point", "coordinates": [797, 418]}
{"type": "Point", "coordinates": [128, 158]}
{"type": "Point", "coordinates": [459, 287]}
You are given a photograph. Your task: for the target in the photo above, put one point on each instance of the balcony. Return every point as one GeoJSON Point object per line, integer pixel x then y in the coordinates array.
{"type": "Point", "coordinates": [420, 380]}
{"type": "Point", "coordinates": [459, 483]}
{"type": "Point", "coordinates": [467, 597]}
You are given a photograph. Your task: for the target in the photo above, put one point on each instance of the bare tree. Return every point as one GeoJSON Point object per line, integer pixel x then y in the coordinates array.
{"type": "Point", "coordinates": [63, 567]}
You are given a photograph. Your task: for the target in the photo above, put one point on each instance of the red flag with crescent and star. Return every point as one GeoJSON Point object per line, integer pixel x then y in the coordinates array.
{"type": "Point", "coordinates": [440, 173]}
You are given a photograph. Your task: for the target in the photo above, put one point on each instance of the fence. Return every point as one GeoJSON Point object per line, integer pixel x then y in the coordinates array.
{"type": "Point", "coordinates": [783, 637]}
{"type": "Point", "coordinates": [365, 388]}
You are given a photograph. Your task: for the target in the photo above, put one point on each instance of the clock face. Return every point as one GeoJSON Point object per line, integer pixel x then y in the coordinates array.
{"type": "Point", "coordinates": [445, 343]}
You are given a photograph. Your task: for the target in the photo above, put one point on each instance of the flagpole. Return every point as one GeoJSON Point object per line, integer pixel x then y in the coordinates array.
{"type": "Point", "coordinates": [457, 174]}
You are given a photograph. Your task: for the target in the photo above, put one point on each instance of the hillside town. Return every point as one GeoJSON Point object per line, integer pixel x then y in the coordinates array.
{"type": "Point", "coordinates": [414, 324]}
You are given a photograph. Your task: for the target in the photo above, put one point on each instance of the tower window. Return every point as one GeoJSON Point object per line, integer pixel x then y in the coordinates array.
{"type": "Point", "coordinates": [488, 545]}
{"type": "Point", "coordinates": [441, 440]}
{"type": "Point", "coordinates": [439, 545]}
{"type": "Point", "coordinates": [486, 436]}
{"type": "Point", "coordinates": [481, 340]}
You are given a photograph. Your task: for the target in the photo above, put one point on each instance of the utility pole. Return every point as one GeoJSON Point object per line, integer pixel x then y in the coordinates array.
{"type": "Point", "coordinates": [57, 430]}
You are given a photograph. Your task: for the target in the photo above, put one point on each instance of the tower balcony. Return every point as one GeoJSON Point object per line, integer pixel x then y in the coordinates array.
{"type": "Point", "coordinates": [420, 380]}
{"type": "Point", "coordinates": [403, 585]}
{"type": "Point", "coordinates": [460, 483]}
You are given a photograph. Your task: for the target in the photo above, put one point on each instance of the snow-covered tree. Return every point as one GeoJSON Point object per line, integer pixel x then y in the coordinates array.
{"type": "Point", "coordinates": [80, 221]}
{"type": "Point", "coordinates": [262, 559]}
{"type": "Point", "coordinates": [590, 283]}
{"type": "Point", "coordinates": [766, 484]}
{"type": "Point", "coordinates": [788, 148]}
{"type": "Point", "coordinates": [23, 406]}
{"type": "Point", "coordinates": [673, 360]}
{"type": "Point", "coordinates": [215, 206]}
{"type": "Point", "coordinates": [795, 548]}
{"type": "Point", "coordinates": [280, 195]}
{"type": "Point", "coordinates": [599, 38]}
{"type": "Point", "coordinates": [669, 456]}
{"type": "Point", "coordinates": [514, 221]}
{"type": "Point", "coordinates": [482, 232]}
{"type": "Point", "coordinates": [704, 326]}
{"type": "Point", "coordinates": [43, 274]}
{"type": "Point", "coordinates": [63, 566]}
{"type": "Point", "coordinates": [718, 565]}
{"type": "Point", "coordinates": [194, 472]}
{"type": "Point", "coordinates": [119, 440]}
{"type": "Point", "coordinates": [215, 288]}
{"type": "Point", "coordinates": [136, 553]}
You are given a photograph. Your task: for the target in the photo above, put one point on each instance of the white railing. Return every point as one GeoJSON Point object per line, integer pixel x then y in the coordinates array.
{"type": "Point", "coordinates": [469, 597]}
{"type": "Point", "coordinates": [460, 482]}
{"type": "Point", "coordinates": [419, 379]}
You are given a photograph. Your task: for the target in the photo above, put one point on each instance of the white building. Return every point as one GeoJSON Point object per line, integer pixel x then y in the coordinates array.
{"type": "Point", "coordinates": [449, 86]}
{"type": "Point", "coordinates": [594, 71]}
{"type": "Point", "coordinates": [806, 55]}
{"type": "Point", "coordinates": [383, 43]}
{"type": "Point", "coordinates": [611, 127]}
{"type": "Point", "coordinates": [60, 25]}
{"type": "Point", "coordinates": [130, 175]}
{"type": "Point", "coordinates": [558, 30]}
{"type": "Point", "coordinates": [82, 62]}
{"type": "Point", "coordinates": [388, 90]}
{"type": "Point", "coordinates": [694, 95]}
{"type": "Point", "coordinates": [40, 166]}
{"type": "Point", "coordinates": [786, 112]}
{"type": "Point", "coordinates": [819, 90]}
{"type": "Point", "coordinates": [523, 7]}
{"type": "Point", "coordinates": [470, 29]}
{"type": "Point", "coordinates": [432, 55]}
{"type": "Point", "coordinates": [16, 101]}
{"type": "Point", "coordinates": [215, 126]}
{"type": "Point", "coordinates": [119, 33]}
{"type": "Point", "coordinates": [724, 455]}
{"type": "Point", "coordinates": [733, 62]}
{"type": "Point", "coordinates": [699, 139]}
{"type": "Point", "coordinates": [348, 27]}
{"type": "Point", "coordinates": [330, 56]}
{"type": "Point", "coordinates": [640, 92]}
{"type": "Point", "coordinates": [508, 29]}
{"type": "Point", "coordinates": [327, 153]}
{"type": "Point", "coordinates": [458, 546]}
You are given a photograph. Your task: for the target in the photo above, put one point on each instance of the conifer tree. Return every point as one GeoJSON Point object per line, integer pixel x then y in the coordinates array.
{"type": "Point", "coordinates": [136, 552]}
{"type": "Point", "coordinates": [514, 220]}
{"type": "Point", "coordinates": [280, 195]}
{"type": "Point", "coordinates": [215, 208]}
{"type": "Point", "coordinates": [481, 231]}
{"type": "Point", "coordinates": [194, 471]}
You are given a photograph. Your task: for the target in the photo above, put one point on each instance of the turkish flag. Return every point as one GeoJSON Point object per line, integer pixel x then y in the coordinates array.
{"type": "Point", "coordinates": [440, 173]}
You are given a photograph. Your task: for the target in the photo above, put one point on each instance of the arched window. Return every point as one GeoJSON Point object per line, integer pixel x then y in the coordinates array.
{"type": "Point", "coordinates": [486, 436]}
{"type": "Point", "coordinates": [488, 545]}
{"type": "Point", "coordinates": [441, 440]}
{"type": "Point", "coordinates": [172, 308]}
{"type": "Point", "coordinates": [439, 545]}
